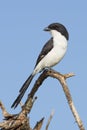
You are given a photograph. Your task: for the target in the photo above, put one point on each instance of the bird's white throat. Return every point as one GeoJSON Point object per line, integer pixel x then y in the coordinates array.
{"type": "Point", "coordinates": [58, 38]}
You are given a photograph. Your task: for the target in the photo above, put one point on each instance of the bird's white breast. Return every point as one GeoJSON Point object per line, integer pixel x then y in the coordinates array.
{"type": "Point", "coordinates": [58, 51]}
{"type": "Point", "coordinates": [56, 54]}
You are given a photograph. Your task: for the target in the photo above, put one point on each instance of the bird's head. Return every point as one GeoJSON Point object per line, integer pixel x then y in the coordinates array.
{"type": "Point", "coordinates": [57, 27]}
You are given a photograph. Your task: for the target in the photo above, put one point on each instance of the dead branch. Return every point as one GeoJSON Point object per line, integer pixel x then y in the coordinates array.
{"type": "Point", "coordinates": [14, 122]}
{"type": "Point", "coordinates": [49, 120]}
{"type": "Point", "coordinates": [20, 121]}
{"type": "Point", "coordinates": [39, 125]}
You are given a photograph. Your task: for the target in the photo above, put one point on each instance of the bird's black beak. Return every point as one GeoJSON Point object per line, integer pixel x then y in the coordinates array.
{"type": "Point", "coordinates": [46, 29]}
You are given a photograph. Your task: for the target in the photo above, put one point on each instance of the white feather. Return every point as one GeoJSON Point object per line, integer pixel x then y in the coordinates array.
{"type": "Point", "coordinates": [56, 54]}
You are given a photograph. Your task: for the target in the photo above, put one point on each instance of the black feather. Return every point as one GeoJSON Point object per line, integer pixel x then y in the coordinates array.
{"type": "Point", "coordinates": [22, 91]}
{"type": "Point", "coordinates": [46, 48]}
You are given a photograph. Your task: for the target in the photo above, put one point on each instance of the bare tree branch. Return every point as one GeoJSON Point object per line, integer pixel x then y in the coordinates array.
{"type": "Point", "coordinates": [20, 121]}
{"type": "Point", "coordinates": [49, 120]}
{"type": "Point", "coordinates": [39, 125]}
{"type": "Point", "coordinates": [4, 112]}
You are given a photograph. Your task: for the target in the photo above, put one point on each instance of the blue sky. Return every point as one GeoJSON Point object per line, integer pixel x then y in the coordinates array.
{"type": "Point", "coordinates": [21, 39]}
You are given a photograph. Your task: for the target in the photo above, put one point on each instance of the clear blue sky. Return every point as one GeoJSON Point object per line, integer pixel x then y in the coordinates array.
{"type": "Point", "coordinates": [21, 39]}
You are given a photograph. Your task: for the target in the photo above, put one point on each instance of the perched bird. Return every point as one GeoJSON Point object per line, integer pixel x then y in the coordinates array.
{"type": "Point", "coordinates": [51, 54]}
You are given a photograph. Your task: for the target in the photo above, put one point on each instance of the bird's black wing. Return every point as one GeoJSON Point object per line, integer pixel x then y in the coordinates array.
{"type": "Point", "coordinates": [22, 91]}
{"type": "Point", "coordinates": [46, 48]}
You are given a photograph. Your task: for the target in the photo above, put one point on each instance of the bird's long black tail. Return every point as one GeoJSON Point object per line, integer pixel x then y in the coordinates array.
{"type": "Point", "coordinates": [22, 91]}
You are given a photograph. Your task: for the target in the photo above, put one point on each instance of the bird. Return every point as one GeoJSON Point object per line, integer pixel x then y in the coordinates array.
{"type": "Point", "coordinates": [51, 54]}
